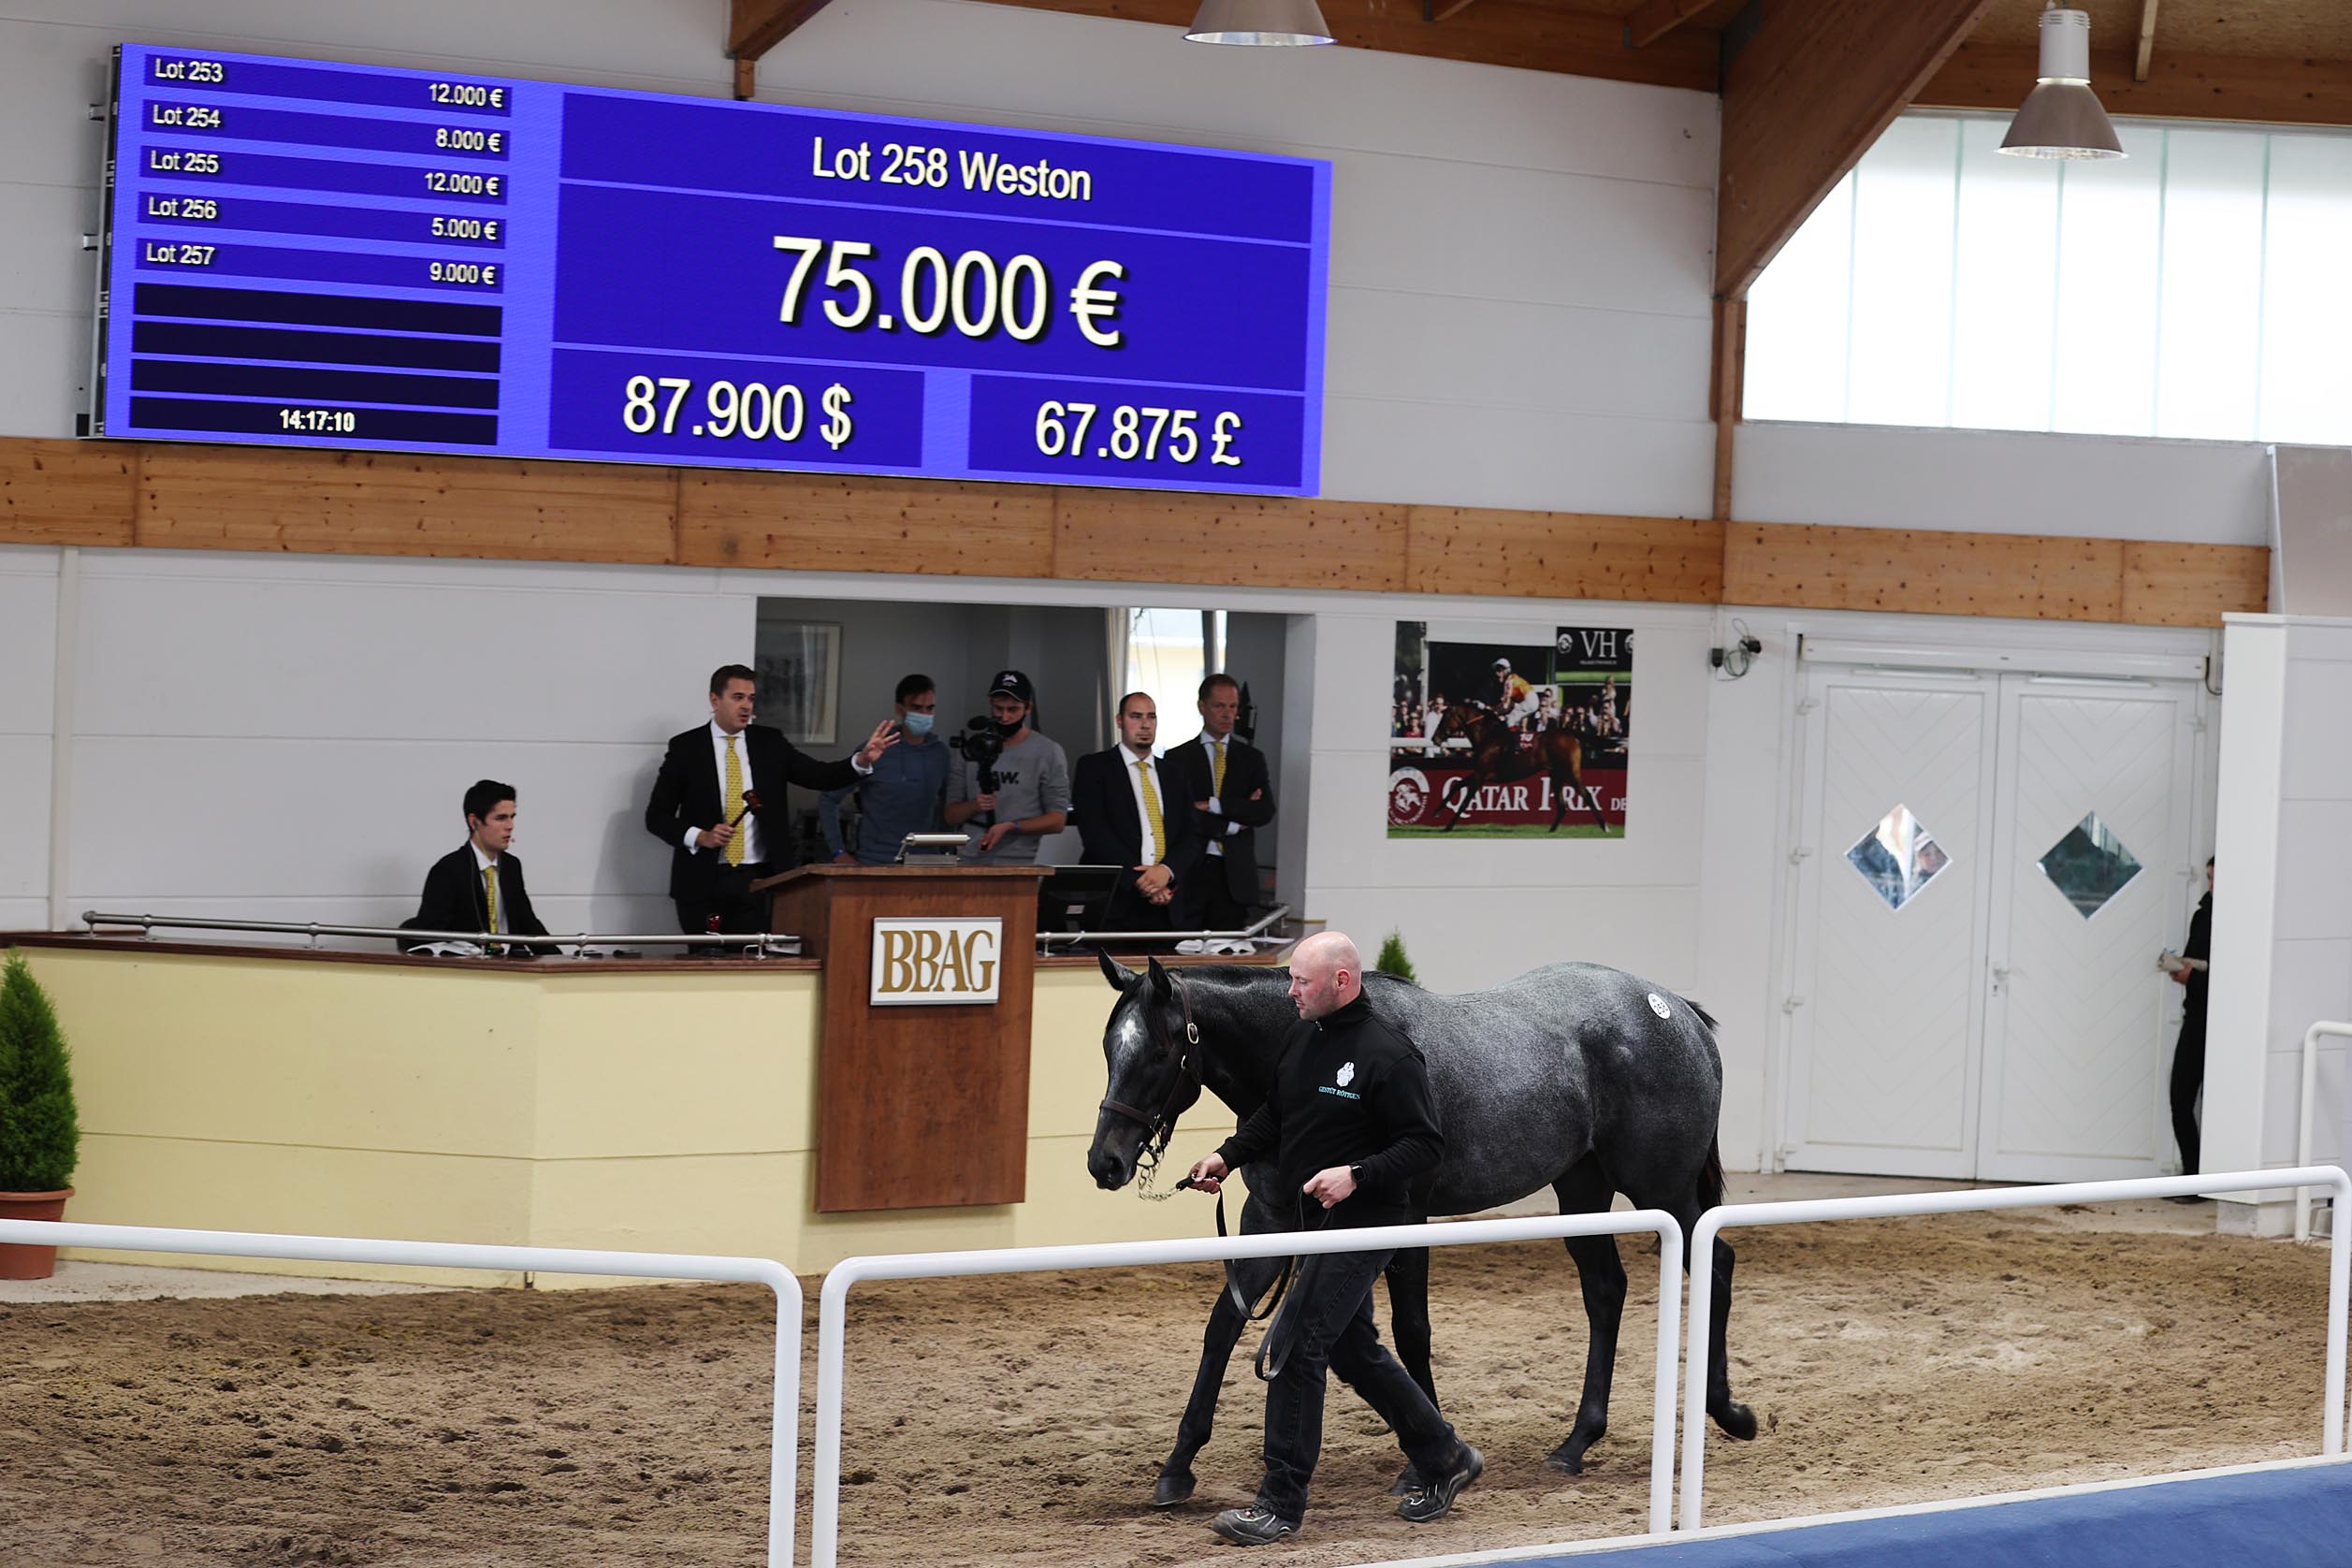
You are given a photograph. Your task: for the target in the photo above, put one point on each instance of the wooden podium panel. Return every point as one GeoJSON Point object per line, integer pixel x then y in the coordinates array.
{"type": "Point", "coordinates": [923, 1106]}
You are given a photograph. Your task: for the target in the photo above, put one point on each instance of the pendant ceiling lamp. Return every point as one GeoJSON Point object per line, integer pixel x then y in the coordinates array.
{"type": "Point", "coordinates": [1258, 22]}
{"type": "Point", "coordinates": [2061, 117]}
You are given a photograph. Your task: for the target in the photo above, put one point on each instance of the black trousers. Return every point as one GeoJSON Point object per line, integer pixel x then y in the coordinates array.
{"type": "Point", "coordinates": [2188, 1081]}
{"type": "Point", "coordinates": [1215, 906]}
{"type": "Point", "coordinates": [1327, 1326]}
{"type": "Point", "coordinates": [741, 912]}
{"type": "Point", "coordinates": [1128, 909]}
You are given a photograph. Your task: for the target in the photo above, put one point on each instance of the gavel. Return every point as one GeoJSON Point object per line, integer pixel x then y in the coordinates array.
{"type": "Point", "coordinates": [750, 803]}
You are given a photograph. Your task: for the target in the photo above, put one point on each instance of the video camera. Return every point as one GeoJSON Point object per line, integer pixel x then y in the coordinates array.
{"type": "Point", "coordinates": [981, 744]}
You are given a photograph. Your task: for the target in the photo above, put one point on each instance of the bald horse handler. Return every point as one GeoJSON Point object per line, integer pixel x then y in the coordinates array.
{"type": "Point", "coordinates": [1351, 1126]}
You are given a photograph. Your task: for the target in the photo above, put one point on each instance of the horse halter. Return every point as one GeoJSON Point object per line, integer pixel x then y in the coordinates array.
{"type": "Point", "coordinates": [1159, 1126]}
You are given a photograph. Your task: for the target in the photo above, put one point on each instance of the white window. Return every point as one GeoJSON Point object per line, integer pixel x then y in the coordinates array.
{"type": "Point", "coordinates": [2190, 290]}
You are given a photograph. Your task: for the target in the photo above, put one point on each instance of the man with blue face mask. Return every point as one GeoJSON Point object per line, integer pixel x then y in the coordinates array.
{"type": "Point", "coordinates": [904, 793]}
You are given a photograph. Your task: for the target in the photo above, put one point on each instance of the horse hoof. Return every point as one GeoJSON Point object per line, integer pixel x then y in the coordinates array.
{"type": "Point", "coordinates": [1408, 1480]}
{"type": "Point", "coordinates": [1736, 1420]}
{"type": "Point", "coordinates": [1169, 1490]}
{"type": "Point", "coordinates": [1568, 1458]}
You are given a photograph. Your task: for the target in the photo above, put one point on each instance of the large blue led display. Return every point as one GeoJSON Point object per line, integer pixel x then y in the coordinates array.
{"type": "Point", "coordinates": [318, 254]}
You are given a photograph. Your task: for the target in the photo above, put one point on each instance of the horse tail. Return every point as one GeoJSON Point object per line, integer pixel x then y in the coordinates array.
{"type": "Point", "coordinates": [1710, 1174]}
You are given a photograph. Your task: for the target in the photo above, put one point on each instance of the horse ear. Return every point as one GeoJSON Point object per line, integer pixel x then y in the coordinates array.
{"type": "Point", "coordinates": [1160, 982]}
{"type": "Point", "coordinates": [1118, 974]}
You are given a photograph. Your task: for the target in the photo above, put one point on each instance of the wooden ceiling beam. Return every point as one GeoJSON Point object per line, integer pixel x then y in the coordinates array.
{"type": "Point", "coordinates": [1532, 35]}
{"type": "Point", "coordinates": [2180, 86]}
{"type": "Point", "coordinates": [1804, 98]}
{"type": "Point", "coordinates": [756, 26]}
{"type": "Point", "coordinates": [2148, 40]}
{"type": "Point", "coordinates": [1653, 20]}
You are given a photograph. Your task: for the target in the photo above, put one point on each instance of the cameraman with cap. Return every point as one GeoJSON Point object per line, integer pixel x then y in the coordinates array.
{"type": "Point", "coordinates": [1024, 793]}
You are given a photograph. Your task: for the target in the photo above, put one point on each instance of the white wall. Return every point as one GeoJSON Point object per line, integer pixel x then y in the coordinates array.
{"type": "Point", "coordinates": [2002, 482]}
{"type": "Point", "coordinates": [288, 738]}
{"type": "Point", "coordinates": [2283, 893]}
{"type": "Point", "coordinates": [1521, 260]}
{"type": "Point", "coordinates": [28, 644]}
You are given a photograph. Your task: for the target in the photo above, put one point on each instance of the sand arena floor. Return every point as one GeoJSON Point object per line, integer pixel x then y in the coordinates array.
{"type": "Point", "coordinates": [1021, 1419]}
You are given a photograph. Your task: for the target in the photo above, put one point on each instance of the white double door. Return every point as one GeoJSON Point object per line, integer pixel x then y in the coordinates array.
{"type": "Point", "coordinates": [1975, 996]}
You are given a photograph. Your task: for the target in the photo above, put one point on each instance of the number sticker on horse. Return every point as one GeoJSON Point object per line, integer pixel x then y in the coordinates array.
{"type": "Point", "coordinates": [1658, 1006]}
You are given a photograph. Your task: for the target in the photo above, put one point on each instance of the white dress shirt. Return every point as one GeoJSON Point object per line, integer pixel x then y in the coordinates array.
{"type": "Point", "coordinates": [484, 861]}
{"type": "Point", "coordinates": [754, 846]}
{"type": "Point", "coordinates": [1214, 746]}
{"type": "Point", "coordinates": [1155, 845]}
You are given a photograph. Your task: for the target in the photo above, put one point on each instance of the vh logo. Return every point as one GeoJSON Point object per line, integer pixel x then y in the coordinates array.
{"type": "Point", "coordinates": [934, 962]}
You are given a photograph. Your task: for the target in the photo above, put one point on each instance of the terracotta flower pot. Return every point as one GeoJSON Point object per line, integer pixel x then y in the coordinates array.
{"type": "Point", "coordinates": [22, 1262]}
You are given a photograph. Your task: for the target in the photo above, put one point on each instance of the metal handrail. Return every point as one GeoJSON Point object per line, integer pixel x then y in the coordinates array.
{"type": "Point", "coordinates": [147, 923]}
{"type": "Point", "coordinates": [784, 1408]}
{"type": "Point", "coordinates": [834, 1308]}
{"type": "Point", "coordinates": [1277, 915]}
{"type": "Point", "coordinates": [1903, 1205]}
{"type": "Point", "coordinates": [2325, 1027]}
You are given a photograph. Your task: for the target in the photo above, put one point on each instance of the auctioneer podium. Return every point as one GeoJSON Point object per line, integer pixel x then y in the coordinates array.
{"type": "Point", "coordinates": [923, 1078]}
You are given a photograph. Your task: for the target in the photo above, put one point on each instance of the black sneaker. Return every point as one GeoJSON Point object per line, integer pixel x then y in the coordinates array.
{"type": "Point", "coordinates": [1433, 1501]}
{"type": "Point", "coordinates": [1252, 1527]}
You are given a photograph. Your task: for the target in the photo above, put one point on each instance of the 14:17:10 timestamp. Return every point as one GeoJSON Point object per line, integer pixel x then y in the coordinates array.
{"type": "Point", "coordinates": [1136, 434]}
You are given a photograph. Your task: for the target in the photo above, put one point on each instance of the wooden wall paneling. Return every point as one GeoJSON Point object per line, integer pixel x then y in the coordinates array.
{"type": "Point", "coordinates": [827, 523]}
{"type": "Point", "coordinates": [68, 492]}
{"type": "Point", "coordinates": [2273, 90]}
{"type": "Point", "coordinates": [380, 503]}
{"type": "Point", "coordinates": [1565, 555]}
{"type": "Point", "coordinates": [1803, 99]}
{"type": "Point", "coordinates": [1579, 39]}
{"type": "Point", "coordinates": [1923, 572]}
{"type": "Point", "coordinates": [2193, 585]}
{"type": "Point", "coordinates": [1144, 536]}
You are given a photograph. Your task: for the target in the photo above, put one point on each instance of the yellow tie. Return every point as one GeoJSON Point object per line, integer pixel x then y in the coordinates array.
{"type": "Point", "coordinates": [1151, 809]}
{"type": "Point", "coordinates": [489, 893]}
{"type": "Point", "coordinates": [735, 802]}
{"type": "Point", "coordinates": [1218, 787]}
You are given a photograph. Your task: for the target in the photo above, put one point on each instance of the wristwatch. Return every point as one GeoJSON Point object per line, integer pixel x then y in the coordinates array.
{"type": "Point", "coordinates": [1356, 1174]}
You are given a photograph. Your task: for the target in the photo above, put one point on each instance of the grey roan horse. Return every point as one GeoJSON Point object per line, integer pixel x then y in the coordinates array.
{"type": "Point", "coordinates": [1576, 1077]}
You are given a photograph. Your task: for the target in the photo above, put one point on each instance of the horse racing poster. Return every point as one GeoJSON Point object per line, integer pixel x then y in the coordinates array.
{"type": "Point", "coordinates": [1509, 739]}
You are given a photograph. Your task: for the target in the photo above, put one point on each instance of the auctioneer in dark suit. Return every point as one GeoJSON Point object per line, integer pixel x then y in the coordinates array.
{"type": "Point", "coordinates": [457, 898]}
{"type": "Point", "coordinates": [1109, 819]}
{"type": "Point", "coordinates": [1246, 804]}
{"type": "Point", "coordinates": [689, 795]}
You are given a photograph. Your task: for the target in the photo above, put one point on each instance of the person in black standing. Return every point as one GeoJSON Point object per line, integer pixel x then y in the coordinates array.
{"type": "Point", "coordinates": [1352, 1127]}
{"type": "Point", "coordinates": [2189, 1055]}
{"type": "Point", "coordinates": [718, 803]}
{"type": "Point", "coordinates": [1226, 779]}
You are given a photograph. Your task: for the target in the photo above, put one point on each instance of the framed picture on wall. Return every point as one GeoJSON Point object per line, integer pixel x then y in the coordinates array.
{"type": "Point", "coordinates": [800, 680]}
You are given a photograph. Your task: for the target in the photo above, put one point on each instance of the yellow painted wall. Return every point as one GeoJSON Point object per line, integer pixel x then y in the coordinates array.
{"type": "Point", "coordinates": [550, 1107]}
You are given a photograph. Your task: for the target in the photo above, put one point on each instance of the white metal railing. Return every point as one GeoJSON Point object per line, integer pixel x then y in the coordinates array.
{"type": "Point", "coordinates": [1047, 940]}
{"type": "Point", "coordinates": [784, 1420]}
{"type": "Point", "coordinates": [832, 1310]}
{"type": "Point", "coordinates": [2303, 1130]}
{"type": "Point", "coordinates": [1900, 1205]}
{"type": "Point", "coordinates": [146, 925]}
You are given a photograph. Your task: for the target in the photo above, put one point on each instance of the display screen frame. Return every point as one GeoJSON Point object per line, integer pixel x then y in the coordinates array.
{"type": "Point", "coordinates": [1077, 310]}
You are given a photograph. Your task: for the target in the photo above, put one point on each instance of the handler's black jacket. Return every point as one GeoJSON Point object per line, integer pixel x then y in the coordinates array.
{"type": "Point", "coordinates": [1349, 1089]}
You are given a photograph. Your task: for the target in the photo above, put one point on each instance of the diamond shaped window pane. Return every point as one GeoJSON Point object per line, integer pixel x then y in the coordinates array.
{"type": "Point", "coordinates": [1898, 857]}
{"type": "Point", "coordinates": [2089, 866]}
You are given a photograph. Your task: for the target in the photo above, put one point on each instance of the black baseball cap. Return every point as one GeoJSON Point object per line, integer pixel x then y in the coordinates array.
{"type": "Point", "coordinates": [1013, 683]}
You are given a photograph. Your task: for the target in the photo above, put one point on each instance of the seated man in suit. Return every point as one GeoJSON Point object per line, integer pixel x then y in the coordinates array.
{"type": "Point", "coordinates": [478, 886]}
{"type": "Point", "coordinates": [1132, 812]}
{"type": "Point", "coordinates": [1224, 779]}
{"type": "Point", "coordinates": [719, 802]}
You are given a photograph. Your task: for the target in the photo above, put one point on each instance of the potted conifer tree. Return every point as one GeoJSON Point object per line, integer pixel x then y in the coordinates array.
{"type": "Point", "coordinates": [39, 1134]}
{"type": "Point", "coordinates": [1393, 959]}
